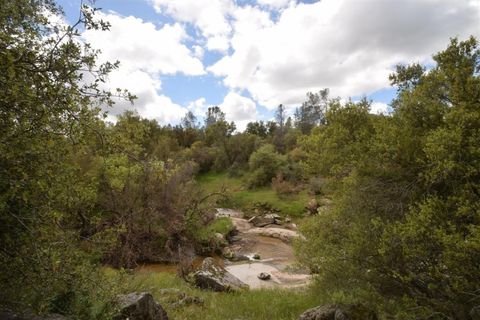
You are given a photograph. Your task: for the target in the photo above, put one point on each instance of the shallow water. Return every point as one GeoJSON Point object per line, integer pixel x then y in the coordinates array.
{"type": "Point", "coordinates": [276, 258]}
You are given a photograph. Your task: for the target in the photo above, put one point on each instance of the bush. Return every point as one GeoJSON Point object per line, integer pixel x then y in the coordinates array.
{"type": "Point", "coordinates": [264, 163]}
{"type": "Point", "coordinates": [282, 187]}
{"type": "Point", "coordinates": [316, 185]}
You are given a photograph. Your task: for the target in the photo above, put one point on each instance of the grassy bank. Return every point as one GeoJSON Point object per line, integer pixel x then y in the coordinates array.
{"type": "Point", "coordinates": [239, 197]}
{"type": "Point", "coordinates": [253, 304]}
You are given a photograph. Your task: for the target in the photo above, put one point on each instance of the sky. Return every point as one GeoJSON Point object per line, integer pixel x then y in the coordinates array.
{"type": "Point", "coordinates": [249, 56]}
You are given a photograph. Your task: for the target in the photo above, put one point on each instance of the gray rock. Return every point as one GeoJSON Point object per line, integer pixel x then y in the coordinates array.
{"type": "Point", "coordinates": [139, 306]}
{"type": "Point", "coordinates": [339, 312]}
{"type": "Point", "coordinates": [265, 220]}
{"type": "Point", "coordinates": [214, 277]}
{"type": "Point", "coordinates": [264, 276]}
{"type": "Point", "coordinates": [312, 206]}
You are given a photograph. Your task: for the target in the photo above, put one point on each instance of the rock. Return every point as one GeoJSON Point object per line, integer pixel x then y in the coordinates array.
{"type": "Point", "coordinates": [262, 221]}
{"type": "Point", "coordinates": [235, 239]}
{"type": "Point", "coordinates": [214, 277]}
{"type": "Point", "coordinates": [339, 312]}
{"type": "Point", "coordinates": [228, 254]}
{"type": "Point", "coordinates": [283, 234]}
{"type": "Point", "coordinates": [264, 276]}
{"type": "Point", "coordinates": [234, 256]}
{"type": "Point", "coordinates": [312, 206]}
{"type": "Point", "coordinates": [139, 306]}
{"type": "Point", "coordinates": [256, 256]}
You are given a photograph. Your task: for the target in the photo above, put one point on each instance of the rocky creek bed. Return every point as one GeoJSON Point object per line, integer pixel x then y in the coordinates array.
{"type": "Point", "coordinates": [259, 247]}
{"type": "Point", "coordinates": [272, 244]}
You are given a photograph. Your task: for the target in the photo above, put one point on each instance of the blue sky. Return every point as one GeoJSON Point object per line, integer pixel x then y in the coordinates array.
{"type": "Point", "coordinates": [247, 56]}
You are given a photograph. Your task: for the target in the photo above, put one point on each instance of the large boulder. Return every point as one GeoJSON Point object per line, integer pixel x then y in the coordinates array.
{"type": "Point", "coordinates": [339, 312]}
{"type": "Point", "coordinates": [214, 277]}
{"type": "Point", "coordinates": [139, 306]}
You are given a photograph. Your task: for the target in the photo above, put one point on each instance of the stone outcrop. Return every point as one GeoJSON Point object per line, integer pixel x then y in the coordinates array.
{"type": "Point", "coordinates": [214, 277]}
{"type": "Point", "coordinates": [279, 233]}
{"type": "Point", "coordinates": [265, 220]}
{"type": "Point", "coordinates": [339, 312]}
{"type": "Point", "coordinates": [139, 306]}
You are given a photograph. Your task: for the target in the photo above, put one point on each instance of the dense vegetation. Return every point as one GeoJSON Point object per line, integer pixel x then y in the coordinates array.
{"type": "Point", "coordinates": [77, 193]}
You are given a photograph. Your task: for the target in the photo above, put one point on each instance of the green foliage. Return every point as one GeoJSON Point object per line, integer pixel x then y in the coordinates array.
{"type": "Point", "coordinates": [48, 116]}
{"type": "Point", "coordinates": [405, 224]}
{"type": "Point", "coordinates": [264, 165]}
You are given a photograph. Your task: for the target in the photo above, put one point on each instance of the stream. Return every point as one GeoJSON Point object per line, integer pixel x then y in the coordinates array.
{"type": "Point", "coordinates": [271, 243]}
{"type": "Point", "coordinates": [276, 255]}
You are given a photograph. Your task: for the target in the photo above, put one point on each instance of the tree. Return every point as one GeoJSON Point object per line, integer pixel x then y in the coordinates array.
{"type": "Point", "coordinates": [312, 112]}
{"type": "Point", "coordinates": [280, 116]}
{"type": "Point", "coordinates": [404, 227]}
{"type": "Point", "coordinates": [189, 121]}
{"type": "Point", "coordinates": [257, 128]}
{"type": "Point", "coordinates": [49, 114]}
{"type": "Point", "coordinates": [213, 115]}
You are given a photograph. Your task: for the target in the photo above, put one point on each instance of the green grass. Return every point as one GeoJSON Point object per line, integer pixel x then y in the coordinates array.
{"type": "Point", "coordinates": [253, 304]}
{"type": "Point", "coordinates": [241, 197]}
{"type": "Point", "coordinates": [220, 225]}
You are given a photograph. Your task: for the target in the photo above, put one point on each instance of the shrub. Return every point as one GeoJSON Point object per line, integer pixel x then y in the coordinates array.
{"type": "Point", "coordinates": [282, 187]}
{"type": "Point", "coordinates": [264, 163]}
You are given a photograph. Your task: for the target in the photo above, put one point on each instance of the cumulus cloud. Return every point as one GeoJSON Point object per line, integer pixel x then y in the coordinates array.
{"type": "Point", "coordinates": [274, 3]}
{"type": "Point", "coordinates": [236, 107]}
{"type": "Point", "coordinates": [198, 107]}
{"type": "Point", "coordinates": [347, 46]}
{"type": "Point", "coordinates": [379, 108]}
{"type": "Point", "coordinates": [239, 109]}
{"type": "Point", "coordinates": [209, 16]}
{"type": "Point", "coordinates": [139, 44]}
{"type": "Point", "coordinates": [145, 53]}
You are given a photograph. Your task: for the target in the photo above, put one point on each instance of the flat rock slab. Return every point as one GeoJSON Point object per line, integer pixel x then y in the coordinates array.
{"type": "Point", "coordinates": [248, 273]}
{"type": "Point", "coordinates": [279, 233]}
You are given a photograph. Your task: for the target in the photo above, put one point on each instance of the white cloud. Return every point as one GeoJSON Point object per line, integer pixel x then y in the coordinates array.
{"type": "Point", "coordinates": [236, 107]}
{"type": "Point", "coordinates": [145, 53]}
{"type": "Point", "coordinates": [149, 103]}
{"type": "Point", "coordinates": [198, 107]}
{"type": "Point", "coordinates": [210, 16]}
{"type": "Point", "coordinates": [348, 47]}
{"type": "Point", "coordinates": [379, 108]}
{"type": "Point", "coordinates": [239, 109]}
{"type": "Point", "coordinates": [139, 44]}
{"type": "Point", "coordinates": [274, 3]}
